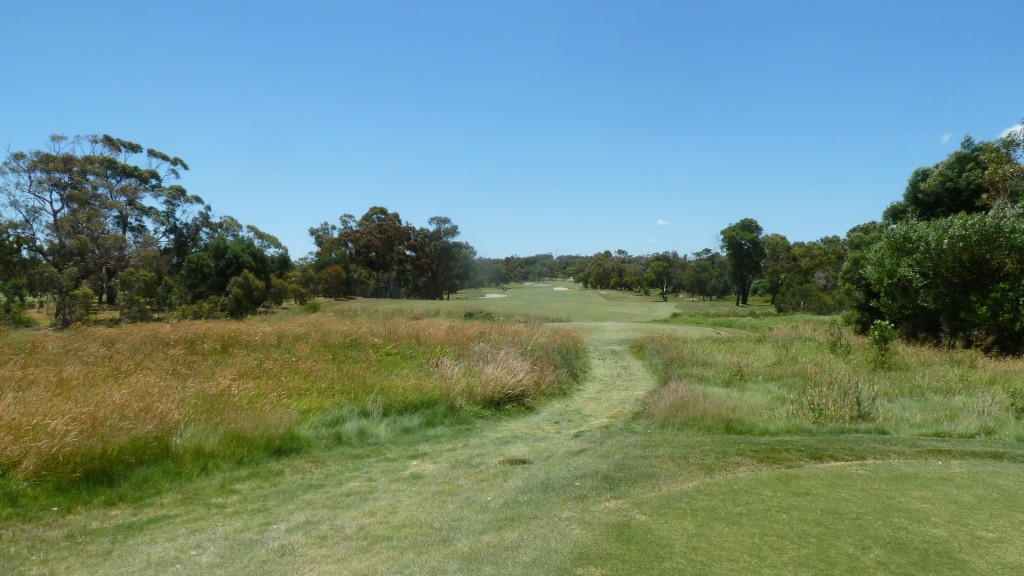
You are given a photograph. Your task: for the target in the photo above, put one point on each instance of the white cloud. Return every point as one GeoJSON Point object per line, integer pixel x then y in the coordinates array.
{"type": "Point", "coordinates": [945, 137]}
{"type": "Point", "coordinates": [1014, 128]}
{"type": "Point", "coordinates": [662, 222]}
{"type": "Point", "coordinates": [653, 240]}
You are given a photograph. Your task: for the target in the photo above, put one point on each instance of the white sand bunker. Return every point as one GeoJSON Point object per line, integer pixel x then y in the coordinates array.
{"type": "Point", "coordinates": [494, 295]}
{"type": "Point", "coordinates": [560, 288]}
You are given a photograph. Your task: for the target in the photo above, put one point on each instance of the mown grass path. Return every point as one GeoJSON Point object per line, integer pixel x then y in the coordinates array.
{"type": "Point", "coordinates": [488, 499]}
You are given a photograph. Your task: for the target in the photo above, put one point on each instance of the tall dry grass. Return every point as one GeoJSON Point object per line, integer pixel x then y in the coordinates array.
{"type": "Point", "coordinates": [94, 402]}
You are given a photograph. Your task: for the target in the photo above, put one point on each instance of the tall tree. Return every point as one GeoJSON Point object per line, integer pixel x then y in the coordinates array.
{"type": "Point", "coordinates": [381, 241]}
{"type": "Point", "coordinates": [86, 203]}
{"type": "Point", "coordinates": [744, 249]}
{"type": "Point", "coordinates": [778, 259]}
{"type": "Point", "coordinates": [439, 260]}
{"type": "Point", "coordinates": [657, 276]}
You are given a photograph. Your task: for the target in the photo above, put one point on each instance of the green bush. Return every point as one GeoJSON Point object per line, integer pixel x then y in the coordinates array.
{"type": "Point", "coordinates": [208, 309]}
{"type": "Point", "coordinates": [956, 281]}
{"type": "Point", "coordinates": [137, 289]}
{"type": "Point", "coordinates": [246, 293]}
{"type": "Point", "coordinates": [73, 307]}
{"type": "Point", "coordinates": [12, 313]}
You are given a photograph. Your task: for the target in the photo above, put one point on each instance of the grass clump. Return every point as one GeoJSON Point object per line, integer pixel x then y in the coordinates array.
{"type": "Point", "coordinates": [684, 405]}
{"type": "Point", "coordinates": [839, 398]}
{"type": "Point", "coordinates": [92, 404]}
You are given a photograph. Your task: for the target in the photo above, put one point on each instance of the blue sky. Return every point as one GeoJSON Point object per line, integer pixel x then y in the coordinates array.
{"type": "Point", "coordinates": [562, 127]}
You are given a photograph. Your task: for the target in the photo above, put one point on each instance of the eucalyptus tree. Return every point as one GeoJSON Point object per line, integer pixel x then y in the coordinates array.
{"type": "Point", "coordinates": [441, 265]}
{"type": "Point", "coordinates": [86, 203]}
{"type": "Point", "coordinates": [777, 262]}
{"type": "Point", "coordinates": [657, 275]}
{"type": "Point", "coordinates": [745, 251]}
{"type": "Point", "coordinates": [380, 241]}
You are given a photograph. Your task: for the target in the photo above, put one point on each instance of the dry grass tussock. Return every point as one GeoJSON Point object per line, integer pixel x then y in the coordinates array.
{"type": "Point", "coordinates": [683, 403]}
{"type": "Point", "coordinates": [110, 397]}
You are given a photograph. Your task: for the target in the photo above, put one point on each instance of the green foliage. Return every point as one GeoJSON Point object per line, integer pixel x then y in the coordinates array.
{"type": "Point", "coordinates": [209, 271]}
{"type": "Point", "coordinates": [882, 335]}
{"type": "Point", "coordinates": [86, 206]}
{"type": "Point", "coordinates": [12, 313]}
{"type": "Point", "coordinates": [74, 307]}
{"type": "Point", "coordinates": [245, 294]}
{"type": "Point", "coordinates": [706, 275]}
{"type": "Point", "coordinates": [278, 291]}
{"type": "Point", "coordinates": [955, 281]}
{"type": "Point", "coordinates": [12, 304]}
{"type": "Point", "coordinates": [744, 248]}
{"type": "Point", "coordinates": [863, 308]}
{"type": "Point", "coordinates": [208, 309]}
{"type": "Point", "coordinates": [138, 290]}
{"type": "Point", "coordinates": [808, 277]}
{"type": "Point", "coordinates": [950, 269]}
{"type": "Point", "coordinates": [959, 184]}
{"type": "Point", "coordinates": [334, 281]}
{"type": "Point", "coordinates": [104, 213]}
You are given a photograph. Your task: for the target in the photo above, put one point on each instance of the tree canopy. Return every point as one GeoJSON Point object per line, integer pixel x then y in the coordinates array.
{"type": "Point", "coordinates": [745, 251]}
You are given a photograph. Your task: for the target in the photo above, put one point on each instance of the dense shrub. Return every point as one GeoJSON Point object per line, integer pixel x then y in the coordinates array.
{"type": "Point", "coordinates": [955, 281]}
{"type": "Point", "coordinates": [246, 293]}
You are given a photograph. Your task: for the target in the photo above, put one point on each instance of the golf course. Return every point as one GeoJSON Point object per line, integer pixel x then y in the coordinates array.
{"type": "Point", "coordinates": [737, 473]}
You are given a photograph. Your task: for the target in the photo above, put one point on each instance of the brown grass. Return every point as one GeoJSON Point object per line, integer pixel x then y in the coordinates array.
{"type": "Point", "coordinates": [691, 406]}
{"type": "Point", "coordinates": [73, 398]}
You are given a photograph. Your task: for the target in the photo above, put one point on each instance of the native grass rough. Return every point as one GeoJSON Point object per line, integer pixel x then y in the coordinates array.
{"type": "Point", "coordinates": [812, 378]}
{"type": "Point", "coordinates": [96, 402]}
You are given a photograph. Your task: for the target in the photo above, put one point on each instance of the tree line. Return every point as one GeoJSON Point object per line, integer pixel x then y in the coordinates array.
{"type": "Point", "coordinates": [100, 221]}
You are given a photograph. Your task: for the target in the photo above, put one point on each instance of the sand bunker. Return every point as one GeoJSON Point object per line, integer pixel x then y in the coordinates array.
{"type": "Point", "coordinates": [494, 295]}
{"type": "Point", "coordinates": [560, 288]}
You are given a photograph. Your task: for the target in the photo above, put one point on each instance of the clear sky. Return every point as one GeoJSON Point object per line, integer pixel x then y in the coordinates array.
{"type": "Point", "coordinates": [554, 126]}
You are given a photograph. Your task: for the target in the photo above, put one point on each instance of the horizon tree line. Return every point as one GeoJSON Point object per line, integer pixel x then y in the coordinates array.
{"type": "Point", "coordinates": [100, 221]}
